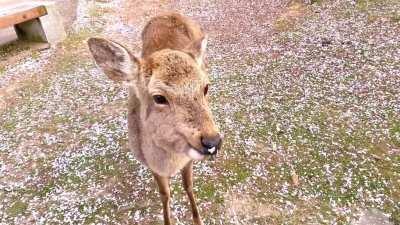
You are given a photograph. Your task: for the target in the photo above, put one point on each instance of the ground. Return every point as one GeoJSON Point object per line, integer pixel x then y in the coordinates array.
{"type": "Point", "coordinates": [305, 92]}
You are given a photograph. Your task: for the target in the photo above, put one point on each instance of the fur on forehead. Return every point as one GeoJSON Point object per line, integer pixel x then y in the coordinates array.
{"type": "Point", "coordinates": [193, 88]}
{"type": "Point", "coordinates": [175, 69]}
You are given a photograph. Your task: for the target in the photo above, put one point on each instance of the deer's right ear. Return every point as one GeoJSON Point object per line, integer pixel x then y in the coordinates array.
{"type": "Point", "coordinates": [114, 59]}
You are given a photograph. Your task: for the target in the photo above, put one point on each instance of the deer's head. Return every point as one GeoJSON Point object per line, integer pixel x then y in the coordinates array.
{"type": "Point", "coordinates": [171, 87]}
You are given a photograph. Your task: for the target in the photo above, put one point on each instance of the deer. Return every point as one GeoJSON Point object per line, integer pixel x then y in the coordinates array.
{"type": "Point", "coordinates": [170, 124]}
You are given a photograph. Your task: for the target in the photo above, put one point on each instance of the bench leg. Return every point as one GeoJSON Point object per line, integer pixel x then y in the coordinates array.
{"type": "Point", "coordinates": [48, 28]}
{"type": "Point", "coordinates": [31, 30]}
{"type": "Point", "coordinates": [52, 24]}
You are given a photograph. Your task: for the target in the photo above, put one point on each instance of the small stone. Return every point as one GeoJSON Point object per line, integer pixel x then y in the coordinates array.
{"type": "Point", "coordinates": [295, 179]}
{"type": "Point", "coordinates": [326, 42]}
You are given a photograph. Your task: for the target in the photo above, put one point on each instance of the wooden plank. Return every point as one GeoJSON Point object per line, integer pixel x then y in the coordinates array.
{"type": "Point", "coordinates": [20, 14]}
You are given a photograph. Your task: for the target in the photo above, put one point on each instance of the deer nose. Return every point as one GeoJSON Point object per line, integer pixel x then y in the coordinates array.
{"type": "Point", "coordinates": [211, 144]}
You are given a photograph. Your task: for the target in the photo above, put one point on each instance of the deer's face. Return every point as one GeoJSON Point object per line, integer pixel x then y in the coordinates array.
{"type": "Point", "coordinates": [172, 89]}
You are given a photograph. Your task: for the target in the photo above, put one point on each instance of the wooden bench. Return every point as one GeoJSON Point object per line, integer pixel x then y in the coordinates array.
{"type": "Point", "coordinates": [19, 14]}
{"type": "Point", "coordinates": [33, 21]}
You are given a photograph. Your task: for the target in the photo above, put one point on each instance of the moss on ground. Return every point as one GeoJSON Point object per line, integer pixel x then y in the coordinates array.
{"type": "Point", "coordinates": [17, 208]}
{"type": "Point", "coordinates": [2, 70]}
{"type": "Point", "coordinates": [11, 49]}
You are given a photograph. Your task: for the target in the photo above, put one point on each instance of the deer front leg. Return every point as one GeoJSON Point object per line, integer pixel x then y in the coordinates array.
{"type": "Point", "coordinates": [165, 193]}
{"type": "Point", "coordinates": [187, 178]}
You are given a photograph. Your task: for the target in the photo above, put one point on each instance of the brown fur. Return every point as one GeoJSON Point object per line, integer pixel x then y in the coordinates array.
{"type": "Point", "coordinates": [164, 137]}
{"type": "Point", "coordinates": [171, 31]}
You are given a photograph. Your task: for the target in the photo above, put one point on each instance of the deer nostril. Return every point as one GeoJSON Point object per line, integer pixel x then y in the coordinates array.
{"type": "Point", "coordinates": [211, 144]}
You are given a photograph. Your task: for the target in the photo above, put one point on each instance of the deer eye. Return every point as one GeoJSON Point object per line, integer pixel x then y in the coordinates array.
{"type": "Point", "coordinates": [206, 89]}
{"type": "Point", "coordinates": [159, 99]}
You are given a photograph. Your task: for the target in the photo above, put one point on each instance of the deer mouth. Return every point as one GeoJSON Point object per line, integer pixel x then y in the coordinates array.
{"type": "Point", "coordinates": [197, 154]}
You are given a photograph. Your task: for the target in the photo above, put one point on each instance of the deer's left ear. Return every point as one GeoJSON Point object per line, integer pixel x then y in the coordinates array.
{"type": "Point", "coordinates": [198, 49]}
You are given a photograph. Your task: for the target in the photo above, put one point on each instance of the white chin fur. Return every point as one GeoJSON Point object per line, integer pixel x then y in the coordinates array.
{"type": "Point", "coordinates": [194, 154]}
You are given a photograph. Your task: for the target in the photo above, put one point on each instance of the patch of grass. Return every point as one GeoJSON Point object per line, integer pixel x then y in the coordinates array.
{"type": "Point", "coordinates": [395, 217]}
{"type": "Point", "coordinates": [376, 9]}
{"type": "Point", "coordinates": [35, 54]}
{"type": "Point", "coordinates": [106, 166]}
{"type": "Point", "coordinates": [75, 39]}
{"type": "Point", "coordinates": [240, 116]}
{"type": "Point", "coordinates": [17, 208]}
{"type": "Point", "coordinates": [238, 170]}
{"type": "Point", "coordinates": [90, 118]}
{"type": "Point", "coordinates": [367, 4]}
{"type": "Point", "coordinates": [283, 24]}
{"type": "Point", "coordinates": [25, 91]}
{"type": "Point", "coordinates": [53, 124]}
{"type": "Point", "coordinates": [206, 190]}
{"type": "Point", "coordinates": [2, 70]}
{"type": "Point", "coordinates": [372, 18]}
{"type": "Point", "coordinates": [318, 2]}
{"type": "Point", "coordinates": [70, 181]}
{"type": "Point", "coordinates": [288, 19]}
{"type": "Point", "coordinates": [177, 189]}
{"type": "Point", "coordinates": [107, 209]}
{"type": "Point", "coordinates": [10, 49]}
{"type": "Point", "coordinates": [96, 11]}
{"type": "Point", "coordinates": [46, 189]}
{"type": "Point", "coordinates": [9, 125]}
{"type": "Point", "coordinates": [394, 132]}
{"type": "Point", "coordinates": [74, 51]}
{"type": "Point", "coordinates": [66, 63]}
{"type": "Point", "coordinates": [395, 17]}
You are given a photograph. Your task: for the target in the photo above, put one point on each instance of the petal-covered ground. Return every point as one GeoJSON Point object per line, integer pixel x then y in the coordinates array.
{"type": "Point", "coordinates": [306, 93]}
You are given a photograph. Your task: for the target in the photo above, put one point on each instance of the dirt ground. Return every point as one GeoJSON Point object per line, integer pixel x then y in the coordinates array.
{"type": "Point", "coordinates": [305, 92]}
